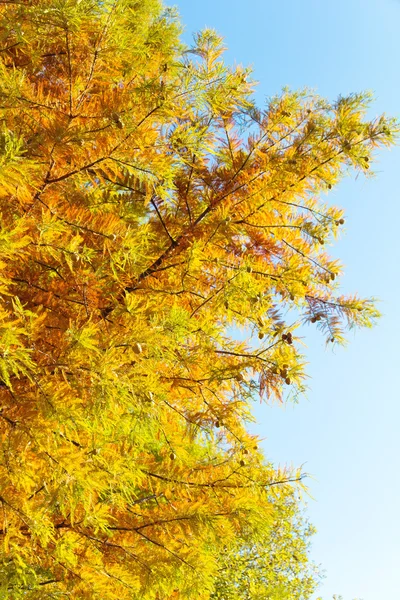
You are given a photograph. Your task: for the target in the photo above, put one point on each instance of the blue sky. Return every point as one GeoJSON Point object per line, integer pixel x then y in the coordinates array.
{"type": "Point", "coordinates": [346, 432]}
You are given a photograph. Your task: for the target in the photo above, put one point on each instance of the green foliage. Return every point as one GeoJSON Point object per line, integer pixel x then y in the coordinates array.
{"type": "Point", "coordinates": [273, 567]}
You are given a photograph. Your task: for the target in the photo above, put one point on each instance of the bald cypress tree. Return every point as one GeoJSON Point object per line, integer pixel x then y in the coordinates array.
{"type": "Point", "coordinates": [148, 207]}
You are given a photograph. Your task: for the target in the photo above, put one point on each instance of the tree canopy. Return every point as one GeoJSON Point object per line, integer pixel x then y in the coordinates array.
{"type": "Point", "coordinates": [148, 209]}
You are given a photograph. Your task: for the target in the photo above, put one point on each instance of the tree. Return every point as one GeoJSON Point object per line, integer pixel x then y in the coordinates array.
{"type": "Point", "coordinates": [276, 567]}
{"type": "Point", "coordinates": [148, 206]}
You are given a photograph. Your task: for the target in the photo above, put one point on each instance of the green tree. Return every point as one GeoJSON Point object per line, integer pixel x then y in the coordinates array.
{"type": "Point", "coordinates": [273, 567]}
{"type": "Point", "coordinates": [147, 207]}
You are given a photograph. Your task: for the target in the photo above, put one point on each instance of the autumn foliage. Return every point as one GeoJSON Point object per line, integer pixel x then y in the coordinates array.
{"type": "Point", "coordinates": [148, 209]}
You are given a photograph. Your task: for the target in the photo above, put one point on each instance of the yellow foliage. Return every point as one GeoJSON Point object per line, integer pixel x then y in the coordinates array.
{"type": "Point", "coordinates": [148, 210]}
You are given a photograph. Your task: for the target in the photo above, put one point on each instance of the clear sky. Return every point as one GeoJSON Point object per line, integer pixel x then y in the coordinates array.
{"type": "Point", "coordinates": [347, 429]}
